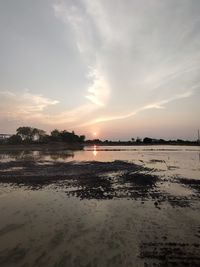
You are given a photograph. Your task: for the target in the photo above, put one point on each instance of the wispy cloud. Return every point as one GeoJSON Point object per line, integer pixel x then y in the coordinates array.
{"type": "Point", "coordinates": [133, 61]}
{"type": "Point", "coordinates": [33, 108]}
{"type": "Point", "coordinates": [157, 105]}
{"type": "Point", "coordinates": [24, 104]}
{"type": "Point", "coordinates": [130, 55]}
{"type": "Point", "coordinates": [86, 34]}
{"type": "Point", "coordinates": [98, 91]}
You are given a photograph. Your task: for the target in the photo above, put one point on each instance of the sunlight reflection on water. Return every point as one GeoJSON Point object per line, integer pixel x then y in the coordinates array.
{"type": "Point", "coordinates": [95, 150]}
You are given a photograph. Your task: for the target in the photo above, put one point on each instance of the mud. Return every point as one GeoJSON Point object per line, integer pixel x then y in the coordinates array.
{"type": "Point", "coordinates": [94, 213]}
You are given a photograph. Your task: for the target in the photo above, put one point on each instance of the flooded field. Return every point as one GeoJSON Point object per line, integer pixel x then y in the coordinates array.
{"type": "Point", "coordinates": [104, 206]}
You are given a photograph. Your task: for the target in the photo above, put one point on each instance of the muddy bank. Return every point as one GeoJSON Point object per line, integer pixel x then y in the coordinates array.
{"type": "Point", "coordinates": [102, 180]}
{"type": "Point", "coordinates": [71, 213]}
{"type": "Point", "coordinates": [44, 171]}
{"type": "Point", "coordinates": [54, 146]}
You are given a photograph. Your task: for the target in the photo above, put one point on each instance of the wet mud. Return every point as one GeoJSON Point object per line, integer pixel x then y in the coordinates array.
{"type": "Point", "coordinates": [94, 213]}
{"type": "Point", "coordinates": [99, 180]}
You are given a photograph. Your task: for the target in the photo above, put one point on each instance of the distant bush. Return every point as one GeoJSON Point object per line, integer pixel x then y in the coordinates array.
{"type": "Point", "coordinates": [147, 140]}
{"type": "Point", "coordinates": [2, 141]}
{"type": "Point", "coordinates": [138, 140]}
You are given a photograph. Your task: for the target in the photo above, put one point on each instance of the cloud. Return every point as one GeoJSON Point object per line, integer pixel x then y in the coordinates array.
{"type": "Point", "coordinates": [99, 90]}
{"type": "Point", "coordinates": [140, 55]}
{"type": "Point", "coordinates": [24, 105]}
{"type": "Point", "coordinates": [29, 107]}
{"type": "Point", "coordinates": [157, 105]}
{"type": "Point", "coordinates": [70, 118]}
{"type": "Point", "coordinates": [86, 36]}
{"type": "Point", "coordinates": [134, 56]}
{"type": "Point", "coordinates": [33, 108]}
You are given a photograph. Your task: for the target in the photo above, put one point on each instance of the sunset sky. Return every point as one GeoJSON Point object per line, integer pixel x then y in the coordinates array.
{"type": "Point", "coordinates": [117, 68]}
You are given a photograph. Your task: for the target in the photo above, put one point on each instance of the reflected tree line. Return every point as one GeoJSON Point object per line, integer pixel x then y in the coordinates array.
{"type": "Point", "coordinates": [36, 155]}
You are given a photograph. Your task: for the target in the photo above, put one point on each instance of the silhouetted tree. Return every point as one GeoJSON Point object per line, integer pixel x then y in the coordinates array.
{"type": "Point", "coordinates": [162, 141]}
{"type": "Point", "coordinates": [147, 140]}
{"type": "Point", "coordinates": [55, 135]}
{"type": "Point", "coordinates": [25, 133]}
{"type": "Point", "coordinates": [66, 136]}
{"type": "Point", "coordinates": [138, 140]}
{"type": "Point", "coordinates": [81, 138]}
{"type": "Point", "coordinates": [29, 134]}
{"type": "Point", "coordinates": [14, 139]}
{"type": "Point", "coordinates": [38, 135]}
{"type": "Point", "coordinates": [180, 141]}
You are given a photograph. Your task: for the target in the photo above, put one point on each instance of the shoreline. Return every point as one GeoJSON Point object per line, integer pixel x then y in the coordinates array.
{"type": "Point", "coordinates": [66, 146]}
{"type": "Point", "coordinates": [197, 145]}
{"type": "Point", "coordinates": [40, 147]}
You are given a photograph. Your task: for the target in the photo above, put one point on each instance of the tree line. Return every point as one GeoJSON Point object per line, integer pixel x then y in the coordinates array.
{"type": "Point", "coordinates": [144, 141]}
{"type": "Point", "coordinates": [30, 135]}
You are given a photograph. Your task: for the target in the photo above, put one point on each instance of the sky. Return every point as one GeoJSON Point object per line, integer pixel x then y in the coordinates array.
{"type": "Point", "coordinates": [117, 68]}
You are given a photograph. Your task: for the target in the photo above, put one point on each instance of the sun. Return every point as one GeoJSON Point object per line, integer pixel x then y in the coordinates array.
{"type": "Point", "coordinates": [95, 134]}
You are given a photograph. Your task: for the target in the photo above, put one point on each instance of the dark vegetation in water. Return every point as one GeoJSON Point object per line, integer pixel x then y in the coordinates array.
{"type": "Point", "coordinates": [12, 256]}
{"type": "Point", "coordinates": [9, 228]}
{"type": "Point", "coordinates": [170, 254]}
{"type": "Point", "coordinates": [160, 241]}
{"type": "Point", "coordinates": [44, 171]}
{"type": "Point", "coordinates": [97, 180]}
{"type": "Point", "coordinates": [192, 183]}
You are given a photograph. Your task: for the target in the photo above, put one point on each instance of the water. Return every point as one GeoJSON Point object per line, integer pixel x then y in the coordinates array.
{"type": "Point", "coordinates": [153, 225]}
{"type": "Point", "coordinates": [173, 160]}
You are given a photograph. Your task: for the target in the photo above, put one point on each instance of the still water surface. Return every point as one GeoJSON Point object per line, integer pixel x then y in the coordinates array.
{"type": "Point", "coordinates": [174, 160]}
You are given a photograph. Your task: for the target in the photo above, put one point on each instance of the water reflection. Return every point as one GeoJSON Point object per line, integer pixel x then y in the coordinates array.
{"type": "Point", "coordinates": [36, 155]}
{"type": "Point", "coordinates": [95, 152]}
{"type": "Point", "coordinates": [183, 161]}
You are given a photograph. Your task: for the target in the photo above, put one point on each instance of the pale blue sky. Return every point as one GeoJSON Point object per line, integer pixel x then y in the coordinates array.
{"type": "Point", "coordinates": [121, 68]}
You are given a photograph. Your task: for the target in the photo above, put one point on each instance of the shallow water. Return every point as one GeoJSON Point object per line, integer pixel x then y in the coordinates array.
{"type": "Point", "coordinates": [153, 225]}
{"type": "Point", "coordinates": [172, 160]}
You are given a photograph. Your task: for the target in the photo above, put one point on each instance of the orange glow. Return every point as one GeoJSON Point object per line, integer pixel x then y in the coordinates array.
{"type": "Point", "coordinates": [95, 134]}
{"type": "Point", "coordinates": [95, 151]}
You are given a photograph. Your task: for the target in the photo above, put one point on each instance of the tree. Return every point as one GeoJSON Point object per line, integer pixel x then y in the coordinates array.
{"type": "Point", "coordinates": [55, 135]}
{"type": "Point", "coordinates": [14, 139]}
{"type": "Point", "coordinates": [38, 134]}
{"type": "Point", "coordinates": [147, 140]}
{"type": "Point", "coordinates": [29, 134]}
{"type": "Point", "coordinates": [55, 132]}
{"type": "Point", "coordinates": [81, 138]}
{"type": "Point", "coordinates": [25, 133]}
{"type": "Point", "coordinates": [69, 137]}
{"type": "Point", "coordinates": [138, 140]}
